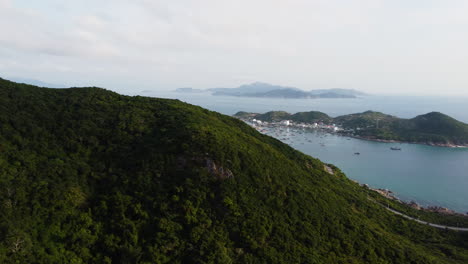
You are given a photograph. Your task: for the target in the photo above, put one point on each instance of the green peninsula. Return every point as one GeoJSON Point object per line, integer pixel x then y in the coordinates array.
{"type": "Point", "coordinates": [433, 128]}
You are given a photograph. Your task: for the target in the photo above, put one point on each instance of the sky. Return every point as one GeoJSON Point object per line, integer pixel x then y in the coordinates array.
{"type": "Point", "coordinates": [417, 47]}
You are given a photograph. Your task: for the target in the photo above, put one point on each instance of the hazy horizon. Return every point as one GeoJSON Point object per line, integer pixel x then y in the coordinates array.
{"type": "Point", "coordinates": [375, 46]}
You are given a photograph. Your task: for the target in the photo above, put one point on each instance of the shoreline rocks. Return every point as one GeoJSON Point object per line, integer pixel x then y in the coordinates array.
{"type": "Point", "coordinates": [431, 208]}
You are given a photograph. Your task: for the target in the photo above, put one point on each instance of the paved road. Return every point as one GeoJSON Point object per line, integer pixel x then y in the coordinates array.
{"type": "Point", "coordinates": [427, 223]}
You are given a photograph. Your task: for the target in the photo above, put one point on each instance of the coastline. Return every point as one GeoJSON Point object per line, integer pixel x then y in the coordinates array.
{"type": "Point", "coordinates": [427, 207]}
{"type": "Point", "coordinates": [406, 142]}
{"type": "Point", "coordinates": [430, 208]}
{"type": "Point", "coordinates": [334, 129]}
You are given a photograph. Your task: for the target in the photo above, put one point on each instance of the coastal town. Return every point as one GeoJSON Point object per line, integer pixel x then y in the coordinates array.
{"type": "Point", "coordinates": [258, 124]}
{"type": "Point", "coordinates": [369, 125]}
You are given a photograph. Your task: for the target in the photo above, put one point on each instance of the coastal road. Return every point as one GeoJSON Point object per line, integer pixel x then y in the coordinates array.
{"type": "Point", "coordinates": [463, 229]}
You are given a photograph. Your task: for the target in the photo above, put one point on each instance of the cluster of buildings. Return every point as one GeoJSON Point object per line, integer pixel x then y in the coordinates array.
{"type": "Point", "coordinates": [289, 123]}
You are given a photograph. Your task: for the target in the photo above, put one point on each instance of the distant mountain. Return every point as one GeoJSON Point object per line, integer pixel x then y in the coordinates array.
{"type": "Point", "coordinates": [265, 90]}
{"type": "Point", "coordinates": [256, 88]}
{"type": "Point", "coordinates": [283, 93]}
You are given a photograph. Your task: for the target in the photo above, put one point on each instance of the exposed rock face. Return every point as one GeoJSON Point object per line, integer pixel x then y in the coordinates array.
{"type": "Point", "coordinates": [441, 210]}
{"type": "Point", "coordinates": [415, 205]}
{"type": "Point", "coordinates": [328, 169]}
{"type": "Point", "coordinates": [218, 171]}
{"type": "Point", "coordinates": [214, 169]}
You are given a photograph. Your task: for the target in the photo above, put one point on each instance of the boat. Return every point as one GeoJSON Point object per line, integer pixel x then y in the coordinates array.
{"type": "Point", "coordinates": [357, 153]}
{"type": "Point", "coordinates": [395, 148]}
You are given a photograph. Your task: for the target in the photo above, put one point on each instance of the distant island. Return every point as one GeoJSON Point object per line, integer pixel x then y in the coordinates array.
{"type": "Point", "coordinates": [433, 128]}
{"type": "Point", "coordinates": [265, 90]}
{"type": "Point", "coordinates": [189, 90]}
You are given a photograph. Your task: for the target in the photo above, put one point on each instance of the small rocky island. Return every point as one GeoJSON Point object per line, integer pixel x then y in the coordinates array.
{"type": "Point", "coordinates": [434, 128]}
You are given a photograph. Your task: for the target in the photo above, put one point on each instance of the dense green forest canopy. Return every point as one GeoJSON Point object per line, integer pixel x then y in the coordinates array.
{"type": "Point", "coordinates": [431, 128]}
{"type": "Point", "coordinates": [91, 176]}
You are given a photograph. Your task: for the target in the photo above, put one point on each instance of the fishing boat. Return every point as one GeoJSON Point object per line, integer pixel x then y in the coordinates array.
{"type": "Point", "coordinates": [395, 148]}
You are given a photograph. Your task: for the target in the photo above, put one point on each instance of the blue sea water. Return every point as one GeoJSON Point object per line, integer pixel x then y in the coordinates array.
{"type": "Point", "coordinates": [425, 174]}
{"type": "Point", "coordinates": [428, 175]}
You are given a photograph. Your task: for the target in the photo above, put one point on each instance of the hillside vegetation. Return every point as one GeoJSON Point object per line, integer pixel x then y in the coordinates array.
{"type": "Point", "coordinates": [91, 176]}
{"type": "Point", "coordinates": [432, 128]}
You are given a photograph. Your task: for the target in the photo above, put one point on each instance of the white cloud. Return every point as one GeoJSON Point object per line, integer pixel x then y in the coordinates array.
{"type": "Point", "coordinates": [374, 45]}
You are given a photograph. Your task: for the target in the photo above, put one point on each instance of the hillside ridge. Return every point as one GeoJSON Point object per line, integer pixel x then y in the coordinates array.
{"type": "Point", "coordinates": [91, 176]}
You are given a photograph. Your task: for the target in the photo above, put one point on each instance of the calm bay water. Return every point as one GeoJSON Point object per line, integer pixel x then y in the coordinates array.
{"type": "Point", "coordinates": [428, 175]}
{"type": "Point", "coordinates": [425, 174]}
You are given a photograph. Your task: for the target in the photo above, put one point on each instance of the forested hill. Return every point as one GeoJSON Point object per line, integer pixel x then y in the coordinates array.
{"type": "Point", "coordinates": [91, 176]}
{"type": "Point", "coordinates": [431, 128]}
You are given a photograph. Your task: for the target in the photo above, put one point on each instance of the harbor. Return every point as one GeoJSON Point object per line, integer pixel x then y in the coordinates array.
{"type": "Point", "coordinates": [414, 172]}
